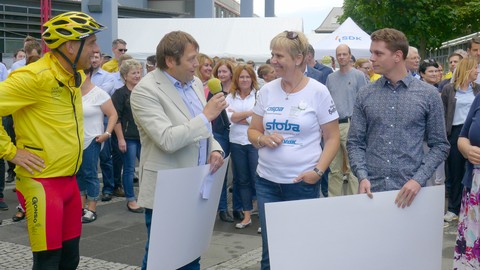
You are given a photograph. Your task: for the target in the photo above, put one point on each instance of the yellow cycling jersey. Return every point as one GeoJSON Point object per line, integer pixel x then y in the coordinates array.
{"type": "Point", "coordinates": [111, 66]}
{"type": "Point", "coordinates": [47, 115]}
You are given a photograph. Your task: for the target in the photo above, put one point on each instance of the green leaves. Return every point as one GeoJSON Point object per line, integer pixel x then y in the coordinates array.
{"type": "Point", "coordinates": [426, 23]}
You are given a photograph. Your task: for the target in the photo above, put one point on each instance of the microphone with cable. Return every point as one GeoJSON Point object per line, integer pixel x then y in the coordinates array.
{"type": "Point", "coordinates": [215, 87]}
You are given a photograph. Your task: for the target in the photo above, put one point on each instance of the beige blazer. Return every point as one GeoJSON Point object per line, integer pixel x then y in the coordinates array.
{"type": "Point", "coordinates": [168, 134]}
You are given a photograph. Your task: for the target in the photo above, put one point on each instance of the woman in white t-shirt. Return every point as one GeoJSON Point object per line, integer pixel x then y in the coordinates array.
{"type": "Point", "coordinates": [244, 155]}
{"type": "Point", "coordinates": [290, 115]}
{"type": "Point", "coordinates": [96, 103]}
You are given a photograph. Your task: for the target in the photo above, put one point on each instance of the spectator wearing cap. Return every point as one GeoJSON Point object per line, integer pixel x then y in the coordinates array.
{"type": "Point", "coordinates": [151, 63]}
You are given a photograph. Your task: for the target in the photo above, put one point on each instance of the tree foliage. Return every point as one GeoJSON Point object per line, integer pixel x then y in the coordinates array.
{"type": "Point", "coordinates": [426, 23]}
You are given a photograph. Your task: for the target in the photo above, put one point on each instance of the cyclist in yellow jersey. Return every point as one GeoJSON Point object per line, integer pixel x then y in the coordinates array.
{"type": "Point", "coordinates": [45, 101]}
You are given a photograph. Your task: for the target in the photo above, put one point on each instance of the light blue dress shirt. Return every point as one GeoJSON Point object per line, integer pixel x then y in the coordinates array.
{"type": "Point", "coordinates": [104, 80]}
{"type": "Point", "coordinates": [195, 108]}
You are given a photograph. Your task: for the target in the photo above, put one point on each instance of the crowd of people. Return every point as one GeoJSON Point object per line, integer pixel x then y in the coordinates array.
{"type": "Point", "coordinates": [294, 128]}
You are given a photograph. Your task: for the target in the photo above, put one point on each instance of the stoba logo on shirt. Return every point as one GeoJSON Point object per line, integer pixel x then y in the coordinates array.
{"type": "Point", "coordinates": [282, 126]}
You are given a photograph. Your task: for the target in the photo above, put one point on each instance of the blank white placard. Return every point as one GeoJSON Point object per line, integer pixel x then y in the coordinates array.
{"type": "Point", "coordinates": [182, 222]}
{"type": "Point", "coordinates": [356, 232]}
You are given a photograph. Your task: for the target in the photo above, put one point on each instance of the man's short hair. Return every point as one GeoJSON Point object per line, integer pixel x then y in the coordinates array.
{"type": "Point", "coordinates": [455, 54]}
{"type": "Point", "coordinates": [311, 50]}
{"type": "Point", "coordinates": [394, 39]}
{"type": "Point", "coordinates": [475, 40]}
{"type": "Point", "coordinates": [152, 59]}
{"type": "Point", "coordinates": [118, 41]}
{"type": "Point", "coordinates": [173, 45]}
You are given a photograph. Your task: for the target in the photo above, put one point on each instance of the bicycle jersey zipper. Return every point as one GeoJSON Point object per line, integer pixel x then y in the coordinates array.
{"type": "Point", "coordinates": [78, 134]}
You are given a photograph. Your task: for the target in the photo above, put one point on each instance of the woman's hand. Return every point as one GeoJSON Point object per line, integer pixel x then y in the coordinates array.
{"type": "Point", "coordinates": [473, 154]}
{"type": "Point", "coordinates": [271, 141]}
{"type": "Point", "coordinates": [101, 138]}
{"type": "Point", "coordinates": [122, 145]}
{"type": "Point", "coordinates": [309, 177]}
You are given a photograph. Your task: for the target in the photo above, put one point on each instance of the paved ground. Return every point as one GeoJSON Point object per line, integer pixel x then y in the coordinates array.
{"type": "Point", "coordinates": [116, 241]}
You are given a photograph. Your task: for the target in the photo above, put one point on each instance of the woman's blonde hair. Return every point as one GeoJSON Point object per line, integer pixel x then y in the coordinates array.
{"type": "Point", "coordinates": [127, 65]}
{"type": "Point", "coordinates": [236, 78]}
{"type": "Point", "coordinates": [202, 58]}
{"type": "Point", "coordinates": [360, 62]}
{"type": "Point", "coordinates": [293, 41]}
{"type": "Point", "coordinates": [463, 70]}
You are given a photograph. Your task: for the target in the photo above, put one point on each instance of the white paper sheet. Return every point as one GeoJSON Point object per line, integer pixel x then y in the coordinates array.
{"type": "Point", "coordinates": [356, 232]}
{"type": "Point", "coordinates": [183, 220]}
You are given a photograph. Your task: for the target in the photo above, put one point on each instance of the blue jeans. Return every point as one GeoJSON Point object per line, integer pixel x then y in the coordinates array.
{"type": "Point", "coordinates": [244, 162]}
{"type": "Point", "coordinates": [195, 265]}
{"type": "Point", "coordinates": [224, 141]}
{"type": "Point", "coordinates": [117, 162]}
{"type": "Point", "coordinates": [268, 191]}
{"type": "Point", "coordinates": [87, 177]}
{"type": "Point", "coordinates": [106, 164]}
{"type": "Point", "coordinates": [107, 167]}
{"type": "Point", "coordinates": [129, 158]}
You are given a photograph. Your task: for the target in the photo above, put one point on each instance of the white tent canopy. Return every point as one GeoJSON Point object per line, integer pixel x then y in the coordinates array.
{"type": "Point", "coordinates": [348, 33]}
{"type": "Point", "coordinates": [248, 38]}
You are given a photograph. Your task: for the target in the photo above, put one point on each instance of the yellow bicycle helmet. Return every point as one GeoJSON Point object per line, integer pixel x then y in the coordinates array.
{"type": "Point", "coordinates": [69, 26]}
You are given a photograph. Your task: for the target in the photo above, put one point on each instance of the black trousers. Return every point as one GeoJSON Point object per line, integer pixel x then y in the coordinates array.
{"type": "Point", "coordinates": [2, 177]}
{"type": "Point", "coordinates": [65, 258]}
{"type": "Point", "coordinates": [456, 169]}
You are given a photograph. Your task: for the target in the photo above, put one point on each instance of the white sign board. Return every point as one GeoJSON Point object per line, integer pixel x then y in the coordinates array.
{"type": "Point", "coordinates": [356, 232]}
{"type": "Point", "coordinates": [185, 207]}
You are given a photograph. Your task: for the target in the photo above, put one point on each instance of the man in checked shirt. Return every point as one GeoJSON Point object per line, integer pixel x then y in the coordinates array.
{"type": "Point", "coordinates": [391, 118]}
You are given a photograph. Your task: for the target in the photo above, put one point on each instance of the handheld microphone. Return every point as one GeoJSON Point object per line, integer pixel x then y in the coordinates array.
{"type": "Point", "coordinates": [215, 87]}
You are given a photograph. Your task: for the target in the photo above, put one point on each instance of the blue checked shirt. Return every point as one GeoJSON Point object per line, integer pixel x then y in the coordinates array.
{"type": "Point", "coordinates": [389, 125]}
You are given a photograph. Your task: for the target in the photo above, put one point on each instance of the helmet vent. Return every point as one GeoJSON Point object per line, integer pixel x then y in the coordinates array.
{"type": "Point", "coordinates": [82, 30]}
{"type": "Point", "coordinates": [64, 32]}
{"type": "Point", "coordinates": [79, 20]}
{"type": "Point", "coordinates": [60, 22]}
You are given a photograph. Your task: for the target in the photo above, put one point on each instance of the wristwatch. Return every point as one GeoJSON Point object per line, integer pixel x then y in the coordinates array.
{"type": "Point", "coordinates": [318, 171]}
{"type": "Point", "coordinates": [221, 153]}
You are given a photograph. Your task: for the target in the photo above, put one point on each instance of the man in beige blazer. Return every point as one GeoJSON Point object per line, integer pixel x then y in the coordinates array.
{"type": "Point", "coordinates": [173, 119]}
